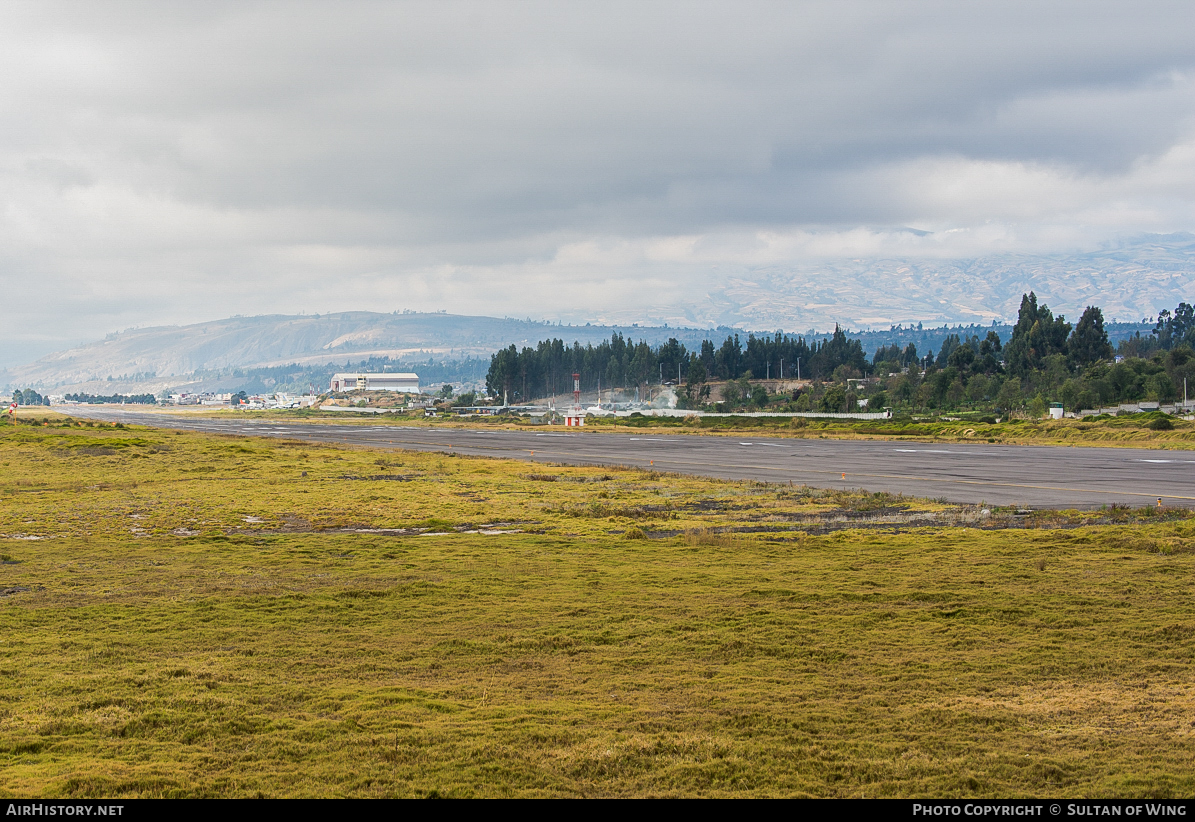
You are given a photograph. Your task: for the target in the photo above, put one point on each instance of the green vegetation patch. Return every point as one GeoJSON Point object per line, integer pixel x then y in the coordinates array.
{"type": "Point", "coordinates": [249, 630]}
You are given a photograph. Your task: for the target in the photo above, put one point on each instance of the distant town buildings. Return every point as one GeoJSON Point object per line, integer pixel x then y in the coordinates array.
{"type": "Point", "coordinates": [256, 401]}
{"type": "Point", "coordinates": [279, 401]}
{"type": "Point", "coordinates": [406, 383]}
{"type": "Point", "coordinates": [200, 399]}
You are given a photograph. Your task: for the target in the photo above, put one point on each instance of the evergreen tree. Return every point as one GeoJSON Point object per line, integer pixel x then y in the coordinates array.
{"type": "Point", "coordinates": [949, 345]}
{"type": "Point", "coordinates": [909, 357]}
{"type": "Point", "coordinates": [1176, 328]}
{"type": "Point", "coordinates": [837, 351]}
{"type": "Point", "coordinates": [1037, 335]}
{"type": "Point", "coordinates": [728, 360]}
{"type": "Point", "coordinates": [1089, 341]}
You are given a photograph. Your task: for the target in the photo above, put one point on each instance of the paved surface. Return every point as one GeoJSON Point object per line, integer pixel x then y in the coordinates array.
{"type": "Point", "coordinates": [1031, 476]}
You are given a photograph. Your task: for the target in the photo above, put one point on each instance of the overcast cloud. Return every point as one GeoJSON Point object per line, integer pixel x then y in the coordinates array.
{"type": "Point", "coordinates": [174, 163]}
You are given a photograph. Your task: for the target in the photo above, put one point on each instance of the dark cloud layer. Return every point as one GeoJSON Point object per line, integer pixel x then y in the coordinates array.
{"type": "Point", "coordinates": [183, 161]}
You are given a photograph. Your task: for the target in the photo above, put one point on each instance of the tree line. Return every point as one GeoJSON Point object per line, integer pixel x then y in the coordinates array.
{"type": "Point", "coordinates": [29, 397]}
{"type": "Point", "coordinates": [1045, 359]}
{"type": "Point", "coordinates": [548, 368]}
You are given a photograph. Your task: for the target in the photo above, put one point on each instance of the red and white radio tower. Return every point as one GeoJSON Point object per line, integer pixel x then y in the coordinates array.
{"type": "Point", "coordinates": [577, 417]}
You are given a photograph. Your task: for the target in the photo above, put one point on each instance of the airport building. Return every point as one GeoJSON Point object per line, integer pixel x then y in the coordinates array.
{"type": "Point", "coordinates": [406, 383]}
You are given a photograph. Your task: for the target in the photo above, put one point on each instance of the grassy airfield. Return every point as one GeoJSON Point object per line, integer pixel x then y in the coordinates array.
{"type": "Point", "coordinates": [192, 615]}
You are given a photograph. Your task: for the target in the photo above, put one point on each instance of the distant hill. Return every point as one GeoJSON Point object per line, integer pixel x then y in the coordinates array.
{"type": "Point", "coordinates": [292, 353]}
{"type": "Point", "coordinates": [155, 359]}
{"type": "Point", "coordinates": [1129, 280]}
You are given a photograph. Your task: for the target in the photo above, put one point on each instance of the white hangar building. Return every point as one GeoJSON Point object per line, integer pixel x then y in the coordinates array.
{"type": "Point", "coordinates": [406, 383]}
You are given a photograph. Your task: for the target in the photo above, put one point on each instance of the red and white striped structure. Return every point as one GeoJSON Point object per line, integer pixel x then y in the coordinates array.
{"type": "Point", "coordinates": [576, 417]}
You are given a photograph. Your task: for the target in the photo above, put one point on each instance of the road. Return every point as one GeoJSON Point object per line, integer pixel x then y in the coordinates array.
{"type": "Point", "coordinates": [1028, 476]}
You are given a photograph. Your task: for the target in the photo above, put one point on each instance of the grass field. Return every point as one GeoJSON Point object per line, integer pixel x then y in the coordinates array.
{"type": "Point", "coordinates": [194, 615]}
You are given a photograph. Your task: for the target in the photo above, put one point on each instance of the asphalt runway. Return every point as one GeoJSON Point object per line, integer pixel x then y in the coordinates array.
{"type": "Point", "coordinates": [1026, 476]}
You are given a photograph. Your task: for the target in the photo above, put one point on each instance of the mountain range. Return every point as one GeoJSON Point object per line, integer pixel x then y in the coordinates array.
{"type": "Point", "coordinates": [1131, 281]}
{"type": "Point", "coordinates": [150, 360]}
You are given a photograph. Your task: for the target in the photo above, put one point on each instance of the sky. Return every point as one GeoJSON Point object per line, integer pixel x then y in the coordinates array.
{"type": "Point", "coordinates": [178, 162]}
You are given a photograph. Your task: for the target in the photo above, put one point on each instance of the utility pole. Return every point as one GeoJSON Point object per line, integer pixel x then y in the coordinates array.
{"type": "Point", "coordinates": [798, 369]}
{"type": "Point", "coordinates": [769, 371]}
{"type": "Point", "coordinates": [782, 369]}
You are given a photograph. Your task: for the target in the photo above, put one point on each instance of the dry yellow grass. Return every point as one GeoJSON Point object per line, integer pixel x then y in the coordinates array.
{"type": "Point", "coordinates": [197, 617]}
